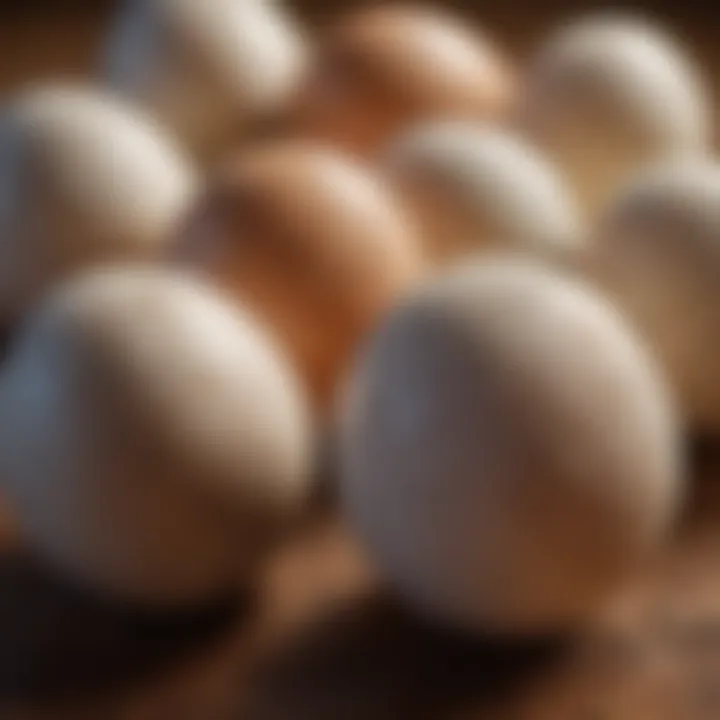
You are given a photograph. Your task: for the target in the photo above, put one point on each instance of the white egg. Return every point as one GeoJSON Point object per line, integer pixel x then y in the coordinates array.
{"type": "Point", "coordinates": [509, 452]}
{"type": "Point", "coordinates": [478, 187]}
{"type": "Point", "coordinates": [608, 94]}
{"type": "Point", "coordinates": [153, 442]}
{"type": "Point", "coordinates": [83, 179]}
{"type": "Point", "coordinates": [657, 254]}
{"type": "Point", "coordinates": [209, 69]}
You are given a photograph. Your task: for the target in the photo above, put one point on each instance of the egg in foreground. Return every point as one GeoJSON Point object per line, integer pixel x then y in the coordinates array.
{"type": "Point", "coordinates": [509, 453]}
{"type": "Point", "coordinates": [154, 443]}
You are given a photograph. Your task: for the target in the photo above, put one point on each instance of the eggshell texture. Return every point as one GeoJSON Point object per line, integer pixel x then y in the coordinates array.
{"type": "Point", "coordinates": [313, 243]}
{"type": "Point", "coordinates": [382, 68]}
{"type": "Point", "coordinates": [83, 179]}
{"type": "Point", "coordinates": [153, 442]}
{"type": "Point", "coordinates": [478, 187]}
{"type": "Point", "coordinates": [609, 94]}
{"type": "Point", "coordinates": [657, 254]}
{"type": "Point", "coordinates": [208, 69]}
{"type": "Point", "coordinates": [509, 452]}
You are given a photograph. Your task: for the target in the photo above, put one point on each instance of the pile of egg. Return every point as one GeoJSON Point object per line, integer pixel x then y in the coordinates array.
{"type": "Point", "coordinates": [493, 288]}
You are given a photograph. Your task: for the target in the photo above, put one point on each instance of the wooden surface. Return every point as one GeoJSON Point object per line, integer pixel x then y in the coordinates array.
{"type": "Point", "coordinates": [320, 641]}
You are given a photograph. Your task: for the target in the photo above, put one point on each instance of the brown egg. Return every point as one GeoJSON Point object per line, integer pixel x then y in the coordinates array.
{"type": "Point", "coordinates": [313, 242]}
{"type": "Point", "coordinates": [382, 68]}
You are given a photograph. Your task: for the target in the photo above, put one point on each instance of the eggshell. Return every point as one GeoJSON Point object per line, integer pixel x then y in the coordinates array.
{"type": "Point", "coordinates": [313, 243]}
{"type": "Point", "coordinates": [382, 68]}
{"type": "Point", "coordinates": [153, 442]}
{"type": "Point", "coordinates": [610, 93]}
{"type": "Point", "coordinates": [208, 70]}
{"type": "Point", "coordinates": [476, 187]}
{"type": "Point", "coordinates": [657, 255]}
{"type": "Point", "coordinates": [509, 451]}
{"type": "Point", "coordinates": [83, 179]}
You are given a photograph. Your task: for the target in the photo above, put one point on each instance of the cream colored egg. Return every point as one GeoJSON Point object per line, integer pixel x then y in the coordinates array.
{"type": "Point", "coordinates": [478, 187]}
{"type": "Point", "coordinates": [657, 254]}
{"type": "Point", "coordinates": [208, 70]}
{"type": "Point", "coordinates": [153, 442]}
{"type": "Point", "coordinates": [509, 452]}
{"type": "Point", "coordinates": [381, 68]}
{"type": "Point", "coordinates": [83, 179]}
{"type": "Point", "coordinates": [610, 93]}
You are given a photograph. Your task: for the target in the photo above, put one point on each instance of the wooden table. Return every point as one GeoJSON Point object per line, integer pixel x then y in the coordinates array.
{"type": "Point", "coordinates": [320, 641]}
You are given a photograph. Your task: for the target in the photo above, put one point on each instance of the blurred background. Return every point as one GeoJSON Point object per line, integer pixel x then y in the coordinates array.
{"type": "Point", "coordinates": [51, 36]}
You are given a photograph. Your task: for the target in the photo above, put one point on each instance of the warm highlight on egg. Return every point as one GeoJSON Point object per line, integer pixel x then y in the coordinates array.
{"type": "Point", "coordinates": [383, 68]}
{"type": "Point", "coordinates": [313, 243]}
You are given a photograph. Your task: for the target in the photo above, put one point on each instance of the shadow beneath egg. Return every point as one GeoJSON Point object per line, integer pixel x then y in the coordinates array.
{"type": "Point", "coordinates": [7, 336]}
{"type": "Point", "coordinates": [58, 641]}
{"type": "Point", "coordinates": [703, 493]}
{"type": "Point", "coordinates": [324, 496]}
{"type": "Point", "coordinates": [372, 661]}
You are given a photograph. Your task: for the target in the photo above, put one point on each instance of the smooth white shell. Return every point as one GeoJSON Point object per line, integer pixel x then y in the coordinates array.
{"type": "Point", "coordinates": [481, 187]}
{"type": "Point", "coordinates": [83, 178]}
{"type": "Point", "coordinates": [206, 69]}
{"type": "Point", "coordinates": [607, 95]}
{"type": "Point", "coordinates": [509, 452]}
{"type": "Point", "coordinates": [657, 254]}
{"type": "Point", "coordinates": [153, 443]}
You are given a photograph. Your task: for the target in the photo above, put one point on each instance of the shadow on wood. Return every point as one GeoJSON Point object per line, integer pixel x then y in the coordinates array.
{"type": "Point", "coordinates": [371, 661]}
{"type": "Point", "coordinates": [59, 641]}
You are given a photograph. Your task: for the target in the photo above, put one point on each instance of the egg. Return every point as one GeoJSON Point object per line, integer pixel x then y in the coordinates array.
{"type": "Point", "coordinates": [382, 68]}
{"type": "Point", "coordinates": [477, 187]}
{"type": "Point", "coordinates": [509, 451]}
{"type": "Point", "coordinates": [313, 243]}
{"type": "Point", "coordinates": [154, 442]}
{"type": "Point", "coordinates": [210, 70]}
{"type": "Point", "coordinates": [83, 179]}
{"type": "Point", "coordinates": [657, 255]}
{"type": "Point", "coordinates": [607, 95]}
